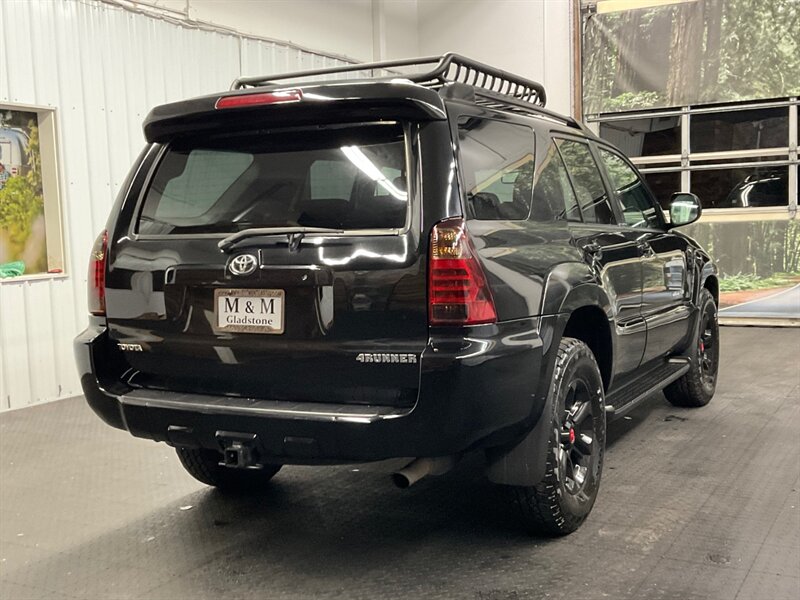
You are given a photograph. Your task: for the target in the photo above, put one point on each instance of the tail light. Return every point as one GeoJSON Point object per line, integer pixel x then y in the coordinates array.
{"type": "Point", "coordinates": [259, 99]}
{"type": "Point", "coordinates": [97, 275]}
{"type": "Point", "coordinates": [458, 292]}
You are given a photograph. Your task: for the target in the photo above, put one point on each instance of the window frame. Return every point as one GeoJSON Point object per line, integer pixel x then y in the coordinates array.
{"type": "Point", "coordinates": [558, 134]}
{"type": "Point", "coordinates": [412, 164]}
{"type": "Point", "coordinates": [619, 208]}
{"type": "Point", "coordinates": [47, 120]}
{"type": "Point", "coordinates": [687, 163]}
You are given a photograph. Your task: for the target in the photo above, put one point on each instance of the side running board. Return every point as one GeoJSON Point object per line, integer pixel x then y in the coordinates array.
{"type": "Point", "coordinates": [624, 399]}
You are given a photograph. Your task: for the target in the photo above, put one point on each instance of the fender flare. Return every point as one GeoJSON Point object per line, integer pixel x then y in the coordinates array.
{"type": "Point", "coordinates": [709, 271]}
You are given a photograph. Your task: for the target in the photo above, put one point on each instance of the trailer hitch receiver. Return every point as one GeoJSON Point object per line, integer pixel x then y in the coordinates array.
{"type": "Point", "coordinates": [239, 450]}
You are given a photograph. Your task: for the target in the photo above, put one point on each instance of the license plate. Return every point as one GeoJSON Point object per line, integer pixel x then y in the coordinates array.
{"type": "Point", "coordinates": [249, 311]}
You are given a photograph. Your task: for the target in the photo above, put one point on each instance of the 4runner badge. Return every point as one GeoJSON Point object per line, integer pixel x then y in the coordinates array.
{"type": "Point", "coordinates": [374, 357]}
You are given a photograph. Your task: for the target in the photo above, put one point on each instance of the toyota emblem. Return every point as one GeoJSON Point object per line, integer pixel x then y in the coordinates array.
{"type": "Point", "coordinates": [244, 264]}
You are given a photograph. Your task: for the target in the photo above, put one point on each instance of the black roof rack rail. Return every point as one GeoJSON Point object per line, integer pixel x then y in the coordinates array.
{"type": "Point", "coordinates": [497, 101]}
{"type": "Point", "coordinates": [448, 68]}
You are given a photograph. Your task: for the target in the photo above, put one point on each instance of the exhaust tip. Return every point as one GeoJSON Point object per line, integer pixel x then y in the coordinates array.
{"type": "Point", "coordinates": [400, 480]}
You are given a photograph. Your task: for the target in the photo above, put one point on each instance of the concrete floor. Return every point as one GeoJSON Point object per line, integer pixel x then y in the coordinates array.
{"type": "Point", "coordinates": [694, 504]}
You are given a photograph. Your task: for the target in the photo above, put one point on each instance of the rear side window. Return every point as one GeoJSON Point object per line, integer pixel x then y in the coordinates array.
{"type": "Point", "coordinates": [497, 168]}
{"type": "Point", "coordinates": [337, 177]}
{"type": "Point", "coordinates": [586, 181]}
{"type": "Point", "coordinates": [553, 197]}
{"type": "Point", "coordinates": [638, 206]}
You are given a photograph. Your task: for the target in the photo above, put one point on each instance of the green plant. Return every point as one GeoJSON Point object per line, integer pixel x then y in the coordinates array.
{"type": "Point", "coordinates": [747, 281]}
{"type": "Point", "coordinates": [21, 203]}
{"type": "Point", "coordinates": [635, 100]}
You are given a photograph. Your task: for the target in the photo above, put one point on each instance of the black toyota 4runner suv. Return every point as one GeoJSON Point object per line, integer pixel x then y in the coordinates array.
{"type": "Point", "coordinates": [410, 265]}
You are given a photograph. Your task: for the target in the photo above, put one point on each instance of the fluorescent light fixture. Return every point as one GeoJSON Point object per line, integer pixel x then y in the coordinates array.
{"type": "Point", "coordinates": [366, 166]}
{"type": "Point", "coordinates": [611, 6]}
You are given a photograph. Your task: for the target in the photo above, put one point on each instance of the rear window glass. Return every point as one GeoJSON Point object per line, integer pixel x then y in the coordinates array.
{"type": "Point", "coordinates": [497, 167]}
{"type": "Point", "coordinates": [338, 177]}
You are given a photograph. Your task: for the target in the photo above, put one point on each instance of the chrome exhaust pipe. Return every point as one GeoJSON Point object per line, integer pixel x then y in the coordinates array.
{"type": "Point", "coordinates": [421, 467]}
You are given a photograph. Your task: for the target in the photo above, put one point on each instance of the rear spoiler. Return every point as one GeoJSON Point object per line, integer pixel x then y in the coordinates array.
{"type": "Point", "coordinates": [334, 102]}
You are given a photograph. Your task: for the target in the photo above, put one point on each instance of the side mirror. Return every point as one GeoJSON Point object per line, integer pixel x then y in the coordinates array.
{"type": "Point", "coordinates": [684, 208]}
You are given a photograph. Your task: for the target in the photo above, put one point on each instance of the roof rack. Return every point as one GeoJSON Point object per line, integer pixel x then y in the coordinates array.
{"type": "Point", "coordinates": [490, 99]}
{"type": "Point", "coordinates": [449, 68]}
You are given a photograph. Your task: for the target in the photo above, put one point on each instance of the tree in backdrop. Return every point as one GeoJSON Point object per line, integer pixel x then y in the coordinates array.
{"type": "Point", "coordinates": [694, 52]}
{"type": "Point", "coordinates": [758, 248]}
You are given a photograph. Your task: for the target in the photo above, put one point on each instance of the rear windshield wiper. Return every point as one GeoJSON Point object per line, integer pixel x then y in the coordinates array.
{"type": "Point", "coordinates": [229, 241]}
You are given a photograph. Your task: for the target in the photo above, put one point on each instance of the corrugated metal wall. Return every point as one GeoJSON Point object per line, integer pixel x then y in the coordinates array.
{"type": "Point", "coordinates": [102, 68]}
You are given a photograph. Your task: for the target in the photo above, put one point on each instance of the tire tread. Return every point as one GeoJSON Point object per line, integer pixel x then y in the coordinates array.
{"type": "Point", "coordinates": [538, 505]}
{"type": "Point", "coordinates": [688, 391]}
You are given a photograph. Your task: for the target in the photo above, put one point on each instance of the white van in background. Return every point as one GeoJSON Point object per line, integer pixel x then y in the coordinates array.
{"type": "Point", "coordinates": [13, 149]}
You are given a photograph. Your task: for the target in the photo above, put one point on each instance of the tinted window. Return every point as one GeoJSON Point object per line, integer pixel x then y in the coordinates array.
{"type": "Point", "coordinates": [740, 130]}
{"type": "Point", "coordinates": [553, 196]}
{"type": "Point", "coordinates": [586, 181]}
{"type": "Point", "coordinates": [343, 178]}
{"type": "Point", "coordinates": [205, 177]}
{"type": "Point", "coordinates": [331, 179]}
{"type": "Point", "coordinates": [497, 167]}
{"type": "Point", "coordinates": [638, 207]}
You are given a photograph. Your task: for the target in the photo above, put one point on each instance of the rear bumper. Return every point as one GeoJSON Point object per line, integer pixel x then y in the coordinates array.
{"type": "Point", "coordinates": [483, 389]}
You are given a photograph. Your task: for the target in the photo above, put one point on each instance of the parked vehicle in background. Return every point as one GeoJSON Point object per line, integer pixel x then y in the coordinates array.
{"type": "Point", "coordinates": [764, 187]}
{"type": "Point", "coordinates": [13, 149]}
{"type": "Point", "coordinates": [418, 266]}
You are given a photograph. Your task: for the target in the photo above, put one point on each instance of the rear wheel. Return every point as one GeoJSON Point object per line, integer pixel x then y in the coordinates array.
{"type": "Point", "coordinates": [696, 387]}
{"type": "Point", "coordinates": [560, 503]}
{"type": "Point", "coordinates": [203, 465]}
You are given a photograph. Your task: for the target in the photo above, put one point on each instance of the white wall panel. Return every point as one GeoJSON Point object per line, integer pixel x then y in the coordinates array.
{"type": "Point", "coordinates": [102, 69]}
{"type": "Point", "coordinates": [529, 37]}
{"type": "Point", "coordinates": [264, 57]}
{"type": "Point", "coordinates": [342, 27]}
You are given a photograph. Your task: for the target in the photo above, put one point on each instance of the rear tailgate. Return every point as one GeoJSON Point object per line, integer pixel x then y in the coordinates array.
{"type": "Point", "coordinates": [288, 311]}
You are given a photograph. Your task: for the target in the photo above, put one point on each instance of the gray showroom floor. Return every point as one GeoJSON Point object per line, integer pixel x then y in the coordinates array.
{"type": "Point", "coordinates": [694, 504]}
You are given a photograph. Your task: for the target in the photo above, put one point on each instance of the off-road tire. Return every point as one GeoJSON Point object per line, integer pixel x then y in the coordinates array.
{"type": "Point", "coordinates": [549, 507]}
{"type": "Point", "coordinates": [696, 387]}
{"type": "Point", "coordinates": [203, 465]}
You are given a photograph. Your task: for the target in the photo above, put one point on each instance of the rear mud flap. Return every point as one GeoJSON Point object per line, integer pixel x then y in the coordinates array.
{"type": "Point", "coordinates": [524, 464]}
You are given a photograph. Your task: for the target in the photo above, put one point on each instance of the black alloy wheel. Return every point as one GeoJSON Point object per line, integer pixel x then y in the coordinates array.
{"type": "Point", "coordinates": [697, 386]}
{"type": "Point", "coordinates": [708, 347]}
{"type": "Point", "coordinates": [578, 453]}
